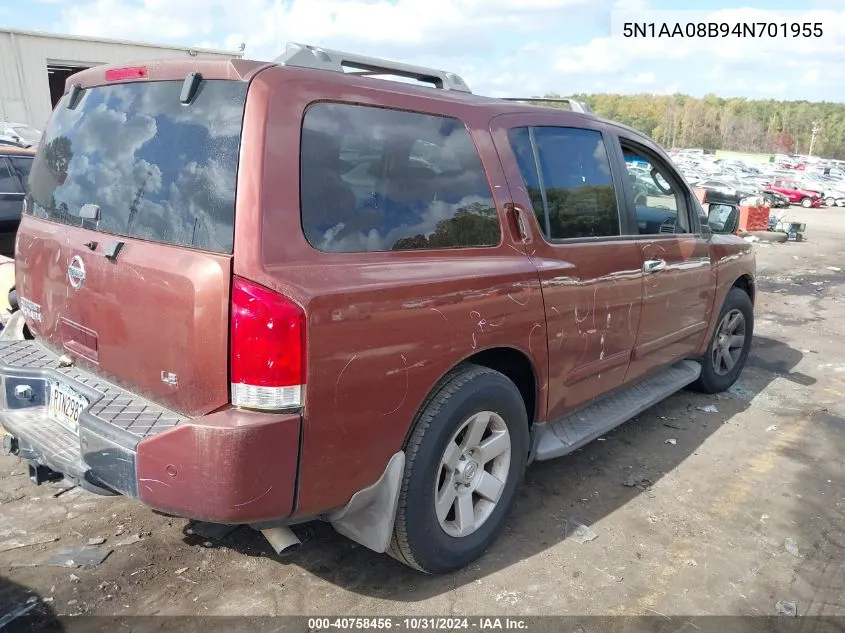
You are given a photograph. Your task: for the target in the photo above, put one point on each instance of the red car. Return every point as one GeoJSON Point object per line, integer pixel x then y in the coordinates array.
{"type": "Point", "coordinates": [796, 194]}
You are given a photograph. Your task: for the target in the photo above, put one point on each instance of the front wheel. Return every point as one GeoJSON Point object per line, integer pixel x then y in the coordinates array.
{"type": "Point", "coordinates": [806, 203]}
{"type": "Point", "coordinates": [729, 346]}
{"type": "Point", "coordinates": [830, 201]}
{"type": "Point", "coordinates": [464, 463]}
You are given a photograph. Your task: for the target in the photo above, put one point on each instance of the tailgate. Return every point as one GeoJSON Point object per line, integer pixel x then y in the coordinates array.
{"type": "Point", "coordinates": [124, 251]}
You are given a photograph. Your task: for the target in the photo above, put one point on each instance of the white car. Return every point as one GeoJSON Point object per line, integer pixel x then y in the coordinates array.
{"type": "Point", "coordinates": [834, 193]}
{"type": "Point", "coordinates": [19, 134]}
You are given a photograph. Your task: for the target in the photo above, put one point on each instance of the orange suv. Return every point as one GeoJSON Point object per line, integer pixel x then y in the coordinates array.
{"type": "Point", "coordinates": [267, 293]}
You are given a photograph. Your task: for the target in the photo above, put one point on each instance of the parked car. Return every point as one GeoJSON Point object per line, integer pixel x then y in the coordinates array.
{"type": "Point", "coordinates": [796, 194]}
{"type": "Point", "coordinates": [775, 199]}
{"type": "Point", "coordinates": [729, 189]}
{"type": "Point", "coordinates": [15, 164]}
{"type": "Point", "coordinates": [18, 134]}
{"type": "Point", "coordinates": [191, 330]}
{"type": "Point", "coordinates": [830, 191]}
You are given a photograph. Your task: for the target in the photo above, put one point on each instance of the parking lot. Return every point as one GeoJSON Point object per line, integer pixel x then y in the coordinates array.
{"type": "Point", "coordinates": [702, 505]}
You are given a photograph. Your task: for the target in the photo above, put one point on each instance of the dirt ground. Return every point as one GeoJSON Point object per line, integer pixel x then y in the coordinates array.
{"type": "Point", "coordinates": [743, 509]}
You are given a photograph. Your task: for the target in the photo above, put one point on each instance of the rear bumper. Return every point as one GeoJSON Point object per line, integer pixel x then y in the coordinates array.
{"type": "Point", "coordinates": [231, 466]}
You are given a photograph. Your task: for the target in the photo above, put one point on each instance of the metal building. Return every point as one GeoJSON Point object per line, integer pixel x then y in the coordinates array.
{"type": "Point", "coordinates": [35, 65]}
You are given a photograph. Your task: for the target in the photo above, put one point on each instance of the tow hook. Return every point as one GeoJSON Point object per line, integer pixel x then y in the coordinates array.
{"type": "Point", "coordinates": [40, 474]}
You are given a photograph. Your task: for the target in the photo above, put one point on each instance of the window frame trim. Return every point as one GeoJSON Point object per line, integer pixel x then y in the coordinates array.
{"type": "Point", "coordinates": [615, 177]}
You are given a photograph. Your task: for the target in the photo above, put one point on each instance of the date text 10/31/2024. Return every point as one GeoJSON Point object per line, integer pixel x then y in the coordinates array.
{"type": "Point", "coordinates": [481, 624]}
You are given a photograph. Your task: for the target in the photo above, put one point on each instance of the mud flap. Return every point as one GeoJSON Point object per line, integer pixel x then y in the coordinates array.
{"type": "Point", "coordinates": [368, 517]}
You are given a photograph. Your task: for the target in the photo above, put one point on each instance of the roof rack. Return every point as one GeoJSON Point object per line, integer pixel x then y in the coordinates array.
{"type": "Point", "coordinates": [577, 106]}
{"type": "Point", "coordinates": [307, 56]}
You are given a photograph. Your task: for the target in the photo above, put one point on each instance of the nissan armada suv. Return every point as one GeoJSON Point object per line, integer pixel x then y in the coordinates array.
{"type": "Point", "coordinates": [268, 293]}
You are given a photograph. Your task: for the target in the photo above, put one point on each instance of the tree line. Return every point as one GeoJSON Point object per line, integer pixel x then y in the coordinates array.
{"type": "Point", "coordinates": [737, 124]}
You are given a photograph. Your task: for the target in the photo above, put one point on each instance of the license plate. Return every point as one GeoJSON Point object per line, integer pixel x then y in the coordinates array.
{"type": "Point", "coordinates": [65, 406]}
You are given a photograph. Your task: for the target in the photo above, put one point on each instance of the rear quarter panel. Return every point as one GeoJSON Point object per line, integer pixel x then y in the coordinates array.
{"type": "Point", "coordinates": [382, 328]}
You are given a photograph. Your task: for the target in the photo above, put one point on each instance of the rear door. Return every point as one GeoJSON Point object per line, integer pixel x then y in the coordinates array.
{"type": "Point", "coordinates": [567, 187]}
{"type": "Point", "coordinates": [679, 282]}
{"type": "Point", "coordinates": [126, 243]}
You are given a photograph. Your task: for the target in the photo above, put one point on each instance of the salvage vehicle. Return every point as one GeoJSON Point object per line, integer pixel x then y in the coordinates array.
{"type": "Point", "coordinates": [18, 134]}
{"type": "Point", "coordinates": [796, 194]}
{"type": "Point", "coordinates": [15, 164]}
{"type": "Point", "coordinates": [279, 292]}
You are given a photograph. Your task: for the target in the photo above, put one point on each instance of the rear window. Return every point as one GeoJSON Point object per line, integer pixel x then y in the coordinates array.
{"type": "Point", "coordinates": [374, 179]}
{"type": "Point", "coordinates": [158, 170]}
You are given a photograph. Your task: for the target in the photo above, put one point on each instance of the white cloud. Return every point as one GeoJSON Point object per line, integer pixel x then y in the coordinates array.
{"type": "Point", "coordinates": [630, 5]}
{"type": "Point", "coordinates": [266, 24]}
{"type": "Point", "coordinates": [501, 47]}
{"type": "Point", "coordinates": [644, 79]}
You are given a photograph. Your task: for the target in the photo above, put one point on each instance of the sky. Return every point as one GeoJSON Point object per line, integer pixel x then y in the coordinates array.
{"type": "Point", "coordinates": [501, 48]}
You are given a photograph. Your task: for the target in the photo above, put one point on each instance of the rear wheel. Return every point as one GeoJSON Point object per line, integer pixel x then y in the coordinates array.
{"type": "Point", "coordinates": [830, 201]}
{"type": "Point", "coordinates": [806, 203]}
{"type": "Point", "coordinates": [464, 463]}
{"type": "Point", "coordinates": [730, 344]}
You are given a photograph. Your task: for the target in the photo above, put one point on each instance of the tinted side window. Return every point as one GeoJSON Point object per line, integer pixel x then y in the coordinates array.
{"type": "Point", "coordinates": [374, 179]}
{"type": "Point", "coordinates": [574, 175]}
{"type": "Point", "coordinates": [659, 203]}
{"type": "Point", "coordinates": [22, 167]}
{"type": "Point", "coordinates": [8, 183]}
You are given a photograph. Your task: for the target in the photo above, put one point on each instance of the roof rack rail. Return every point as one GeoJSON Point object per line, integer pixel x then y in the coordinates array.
{"type": "Point", "coordinates": [577, 106]}
{"type": "Point", "coordinates": [307, 56]}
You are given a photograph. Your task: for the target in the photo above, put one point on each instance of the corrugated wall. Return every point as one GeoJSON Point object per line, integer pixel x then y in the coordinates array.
{"type": "Point", "coordinates": [24, 88]}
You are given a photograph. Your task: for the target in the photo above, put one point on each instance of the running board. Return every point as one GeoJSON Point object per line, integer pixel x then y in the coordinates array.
{"type": "Point", "coordinates": [585, 425]}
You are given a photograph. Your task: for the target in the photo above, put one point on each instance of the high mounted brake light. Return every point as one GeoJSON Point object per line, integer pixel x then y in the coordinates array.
{"type": "Point", "coordinates": [267, 349]}
{"type": "Point", "coordinates": [132, 72]}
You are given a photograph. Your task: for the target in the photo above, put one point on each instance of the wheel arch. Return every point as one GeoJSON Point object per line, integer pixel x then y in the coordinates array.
{"type": "Point", "coordinates": [746, 283]}
{"type": "Point", "coordinates": [513, 363]}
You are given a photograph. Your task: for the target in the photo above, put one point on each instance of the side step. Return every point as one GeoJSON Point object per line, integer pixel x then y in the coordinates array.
{"type": "Point", "coordinates": [585, 425]}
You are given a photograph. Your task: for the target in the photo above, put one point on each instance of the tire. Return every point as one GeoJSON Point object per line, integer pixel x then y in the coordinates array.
{"type": "Point", "coordinates": [420, 538]}
{"type": "Point", "coordinates": [830, 201]}
{"type": "Point", "coordinates": [715, 379]}
{"type": "Point", "coordinates": [806, 203]}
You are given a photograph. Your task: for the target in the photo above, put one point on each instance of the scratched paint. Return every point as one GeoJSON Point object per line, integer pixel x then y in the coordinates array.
{"type": "Point", "coordinates": [404, 371]}
{"type": "Point", "coordinates": [340, 375]}
{"type": "Point", "coordinates": [536, 327]}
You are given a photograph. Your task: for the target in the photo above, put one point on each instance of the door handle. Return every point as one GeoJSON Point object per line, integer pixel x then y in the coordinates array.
{"type": "Point", "coordinates": [654, 265]}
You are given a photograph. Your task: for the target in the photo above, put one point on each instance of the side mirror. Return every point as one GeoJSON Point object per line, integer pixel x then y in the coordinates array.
{"type": "Point", "coordinates": [723, 218]}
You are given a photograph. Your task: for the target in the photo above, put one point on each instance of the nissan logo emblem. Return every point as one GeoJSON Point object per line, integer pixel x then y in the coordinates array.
{"type": "Point", "coordinates": [76, 272]}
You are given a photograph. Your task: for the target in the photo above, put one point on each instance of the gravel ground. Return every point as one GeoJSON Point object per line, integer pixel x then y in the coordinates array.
{"type": "Point", "coordinates": [743, 509]}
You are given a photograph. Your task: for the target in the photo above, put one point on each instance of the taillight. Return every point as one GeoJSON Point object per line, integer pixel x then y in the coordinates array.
{"type": "Point", "coordinates": [267, 348]}
{"type": "Point", "coordinates": [118, 74]}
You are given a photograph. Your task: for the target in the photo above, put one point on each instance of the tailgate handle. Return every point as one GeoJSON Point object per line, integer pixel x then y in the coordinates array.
{"type": "Point", "coordinates": [90, 212]}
